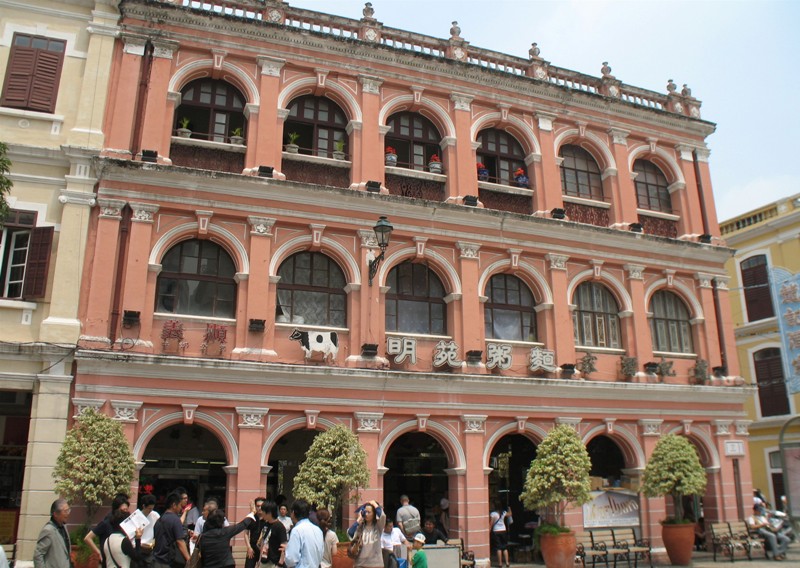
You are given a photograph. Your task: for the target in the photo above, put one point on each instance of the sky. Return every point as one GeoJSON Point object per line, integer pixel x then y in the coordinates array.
{"type": "Point", "coordinates": [739, 57]}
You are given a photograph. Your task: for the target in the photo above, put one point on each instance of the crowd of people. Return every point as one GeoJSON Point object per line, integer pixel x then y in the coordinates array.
{"type": "Point", "coordinates": [275, 536]}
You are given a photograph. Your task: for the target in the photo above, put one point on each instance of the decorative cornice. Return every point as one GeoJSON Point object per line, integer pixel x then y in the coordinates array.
{"type": "Point", "coordinates": [78, 198]}
{"type": "Point", "coordinates": [126, 410]}
{"type": "Point", "coordinates": [83, 404]}
{"type": "Point", "coordinates": [474, 423]}
{"type": "Point", "coordinates": [557, 261]}
{"type": "Point", "coordinates": [143, 212]}
{"type": "Point", "coordinates": [468, 250]}
{"type": "Point", "coordinates": [260, 226]}
{"type": "Point", "coordinates": [369, 421]}
{"type": "Point", "coordinates": [111, 208]}
{"type": "Point", "coordinates": [651, 426]}
{"type": "Point", "coordinates": [461, 101]}
{"type": "Point", "coordinates": [250, 417]}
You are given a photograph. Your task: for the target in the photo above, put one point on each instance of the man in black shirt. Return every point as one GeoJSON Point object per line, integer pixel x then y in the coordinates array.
{"type": "Point", "coordinates": [252, 535]}
{"type": "Point", "coordinates": [170, 550]}
{"type": "Point", "coordinates": [273, 537]}
{"type": "Point", "coordinates": [104, 528]}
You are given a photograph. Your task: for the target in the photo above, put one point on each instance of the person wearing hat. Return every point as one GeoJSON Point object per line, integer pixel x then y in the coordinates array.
{"type": "Point", "coordinates": [419, 560]}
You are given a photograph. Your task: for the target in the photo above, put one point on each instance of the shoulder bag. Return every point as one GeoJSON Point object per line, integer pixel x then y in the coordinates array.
{"type": "Point", "coordinates": [196, 559]}
{"type": "Point", "coordinates": [355, 546]}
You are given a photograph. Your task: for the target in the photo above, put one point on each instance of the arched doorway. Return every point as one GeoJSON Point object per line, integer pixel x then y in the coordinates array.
{"type": "Point", "coordinates": [285, 458]}
{"type": "Point", "coordinates": [510, 460]}
{"type": "Point", "coordinates": [188, 456]}
{"type": "Point", "coordinates": [608, 461]}
{"type": "Point", "coordinates": [416, 464]}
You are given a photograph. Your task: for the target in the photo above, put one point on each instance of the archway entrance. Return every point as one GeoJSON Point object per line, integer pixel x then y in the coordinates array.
{"type": "Point", "coordinates": [416, 465]}
{"type": "Point", "coordinates": [285, 458]}
{"type": "Point", "coordinates": [607, 459]}
{"type": "Point", "coordinates": [185, 456]}
{"type": "Point", "coordinates": [510, 460]}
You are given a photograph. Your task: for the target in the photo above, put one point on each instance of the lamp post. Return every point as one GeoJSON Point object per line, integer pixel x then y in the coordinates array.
{"type": "Point", "coordinates": [383, 232]}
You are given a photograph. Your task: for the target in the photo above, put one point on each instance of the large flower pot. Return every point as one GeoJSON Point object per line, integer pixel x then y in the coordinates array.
{"type": "Point", "coordinates": [341, 560]}
{"type": "Point", "coordinates": [679, 542]}
{"type": "Point", "coordinates": [93, 561]}
{"type": "Point", "coordinates": [558, 550]}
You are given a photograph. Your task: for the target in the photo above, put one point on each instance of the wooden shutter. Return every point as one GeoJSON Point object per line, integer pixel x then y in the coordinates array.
{"type": "Point", "coordinates": [46, 77]}
{"type": "Point", "coordinates": [771, 385]}
{"type": "Point", "coordinates": [19, 77]}
{"type": "Point", "coordinates": [38, 262]}
{"type": "Point", "coordinates": [32, 79]}
{"type": "Point", "coordinates": [755, 280]}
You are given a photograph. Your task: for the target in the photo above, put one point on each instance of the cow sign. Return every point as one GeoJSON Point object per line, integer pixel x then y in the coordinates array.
{"type": "Point", "coordinates": [325, 342]}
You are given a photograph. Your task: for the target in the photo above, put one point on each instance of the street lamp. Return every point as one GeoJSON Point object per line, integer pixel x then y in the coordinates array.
{"type": "Point", "coordinates": [383, 232]}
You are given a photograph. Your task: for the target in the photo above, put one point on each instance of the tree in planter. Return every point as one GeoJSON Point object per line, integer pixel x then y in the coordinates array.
{"type": "Point", "coordinates": [95, 462]}
{"type": "Point", "coordinates": [675, 470]}
{"type": "Point", "coordinates": [559, 475]}
{"type": "Point", "coordinates": [335, 464]}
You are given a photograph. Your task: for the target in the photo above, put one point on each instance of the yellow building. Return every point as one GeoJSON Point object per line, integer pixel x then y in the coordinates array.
{"type": "Point", "coordinates": [765, 238]}
{"type": "Point", "coordinates": [54, 65]}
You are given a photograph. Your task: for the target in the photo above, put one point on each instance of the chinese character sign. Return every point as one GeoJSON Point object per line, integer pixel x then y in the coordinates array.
{"type": "Point", "coordinates": [402, 348]}
{"type": "Point", "coordinates": [786, 299]}
{"type": "Point", "coordinates": [446, 353]}
{"type": "Point", "coordinates": [498, 355]}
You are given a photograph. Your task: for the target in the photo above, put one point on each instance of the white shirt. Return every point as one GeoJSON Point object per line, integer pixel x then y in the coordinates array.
{"type": "Point", "coordinates": [147, 532]}
{"type": "Point", "coordinates": [287, 522]}
{"type": "Point", "coordinates": [498, 521]}
{"type": "Point", "coordinates": [392, 539]}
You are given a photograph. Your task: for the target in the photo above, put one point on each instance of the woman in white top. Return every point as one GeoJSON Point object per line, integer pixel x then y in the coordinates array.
{"type": "Point", "coordinates": [330, 540]}
{"type": "Point", "coordinates": [497, 522]}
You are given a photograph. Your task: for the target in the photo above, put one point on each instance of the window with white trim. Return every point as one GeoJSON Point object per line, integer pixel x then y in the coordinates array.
{"type": "Point", "coordinates": [311, 291]}
{"type": "Point", "coordinates": [595, 318]}
{"type": "Point", "coordinates": [509, 310]}
{"type": "Point", "coordinates": [670, 327]}
{"type": "Point", "coordinates": [25, 255]}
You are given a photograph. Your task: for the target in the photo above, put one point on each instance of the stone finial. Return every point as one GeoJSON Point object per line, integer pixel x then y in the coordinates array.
{"type": "Point", "coordinates": [686, 91]}
{"type": "Point", "coordinates": [534, 51]}
{"type": "Point", "coordinates": [455, 31]}
{"type": "Point", "coordinates": [368, 10]}
{"type": "Point", "coordinates": [605, 69]}
{"type": "Point", "coordinates": [671, 87]}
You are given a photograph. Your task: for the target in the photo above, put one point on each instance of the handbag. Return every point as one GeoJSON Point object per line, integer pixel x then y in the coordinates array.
{"type": "Point", "coordinates": [196, 559]}
{"type": "Point", "coordinates": [355, 546]}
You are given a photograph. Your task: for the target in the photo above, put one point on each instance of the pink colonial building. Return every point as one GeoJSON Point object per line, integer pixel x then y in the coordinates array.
{"type": "Point", "coordinates": [554, 259]}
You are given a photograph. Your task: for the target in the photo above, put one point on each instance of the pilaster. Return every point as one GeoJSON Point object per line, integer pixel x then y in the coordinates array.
{"type": "Point", "coordinates": [258, 306]}
{"type": "Point", "coordinates": [637, 327]}
{"type": "Point", "coordinates": [548, 188]}
{"type": "Point", "coordinates": [462, 178]}
{"type": "Point", "coordinates": [136, 286]}
{"type": "Point", "coordinates": [623, 196]}
{"type": "Point", "coordinates": [471, 335]}
{"type": "Point", "coordinates": [563, 339]}
{"type": "Point", "coordinates": [367, 141]}
{"type": "Point", "coordinates": [472, 499]}
{"type": "Point", "coordinates": [368, 431]}
{"type": "Point", "coordinates": [264, 125]}
{"type": "Point", "coordinates": [121, 110]}
{"type": "Point", "coordinates": [159, 111]}
{"type": "Point", "coordinates": [250, 478]}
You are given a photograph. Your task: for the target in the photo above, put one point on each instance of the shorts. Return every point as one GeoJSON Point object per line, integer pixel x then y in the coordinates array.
{"type": "Point", "coordinates": [500, 540]}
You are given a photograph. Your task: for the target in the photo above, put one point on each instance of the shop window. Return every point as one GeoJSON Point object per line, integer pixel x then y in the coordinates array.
{"type": "Point", "coordinates": [197, 278]}
{"type": "Point", "coordinates": [580, 174]}
{"type": "Point", "coordinates": [501, 154]}
{"type": "Point", "coordinates": [415, 300]}
{"type": "Point", "coordinates": [414, 138]}
{"type": "Point", "coordinates": [595, 319]}
{"type": "Point", "coordinates": [651, 187]}
{"type": "Point", "coordinates": [25, 255]}
{"type": "Point", "coordinates": [772, 395]}
{"type": "Point", "coordinates": [212, 110]}
{"type": "Point", "coordinates": [33, 73]}
{"type": "Point", "coordinates": [311, 291]}
{"type": "Point", "coordinates": [755, 281]}
{"type": "Point", "coordinates": [509, 311]}
{"type": "Point", "coordinates": [319, 124]}
{"type": "Point", "coordinates": [669, 325]}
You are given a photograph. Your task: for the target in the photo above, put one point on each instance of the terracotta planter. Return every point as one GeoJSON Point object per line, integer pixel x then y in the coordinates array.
{"type": "Point", "coordinates": [341, 560]}
{"type": "Point", "coordinates": [558, 550]}
{"type": "Point", "coordinates": [92, 562]}
{"type": "Point", "coordinates": [679, 541]}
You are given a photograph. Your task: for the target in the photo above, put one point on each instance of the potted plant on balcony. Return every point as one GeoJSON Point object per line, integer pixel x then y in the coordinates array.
{"type": "Point", "coordinates": [521, 178]}
{"type": "Point", "coordinates": [236, 136]}
{"type": "Point", "coordinates": [292, 146]}
{"type": "Point", "coordinates": [558, 477]}
{"type": "Point", "coordinates": [483, 172]}
{"type": "Point", "coordinates": [675, 470]}
{"type": "Point", "coordinates": [338, 150]}
{"type": "Point", "coordinates": [184, 131]}
{"type": "Point", "coordinates": [435, 164]}
{"type": "Point", "coordinates": [391, 156]}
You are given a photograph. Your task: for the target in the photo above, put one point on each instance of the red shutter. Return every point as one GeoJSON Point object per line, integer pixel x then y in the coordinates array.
{"type": "Point", "coordinates": [38, 262]}
{"type": "Point", "coordinates": [46, 76]}
{"type": "Point", "coordinates": [19, 77]}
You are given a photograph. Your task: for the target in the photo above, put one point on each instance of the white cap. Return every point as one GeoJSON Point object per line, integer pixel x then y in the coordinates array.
{"type": "Point", "coordinates": [419, 537]}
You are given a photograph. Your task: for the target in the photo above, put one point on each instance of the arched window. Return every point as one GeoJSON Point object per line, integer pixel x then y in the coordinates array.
{"type": "Point", "coordinates": [311, 291]}
{"type": "Point", "coordinates": [501, 154]}
{"type": "Point", "coordinates": [415, 300]}
{"type": "Point", "coordinates": [669, 326]}
{"type": "Point", "coordinates": [595, 318]}
{"type": "Point", "coordinates": [319, 124]}
{"type": "Point", "coordinates": [771, 384]}
{"type": "Point", "coordinates": [211, 109]}
{"type": "Point", "coordinates": [580, 174]}
{"type": "Point", "coordinates": [197, 279]}
{"type": "Point", "coordinates": [755, 281]}
{"type": "Point", "coordinates": [651, 187]}
{"type": "Point", "coordinates": [414, 138]}
{"type": "Point", "coordinates": [508, 313]}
